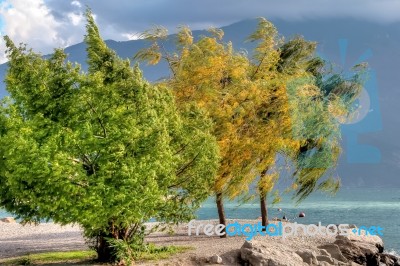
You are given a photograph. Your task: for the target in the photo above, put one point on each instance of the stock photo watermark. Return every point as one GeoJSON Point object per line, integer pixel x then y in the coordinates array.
{"type": "Point", "coordinates": [280, 229]}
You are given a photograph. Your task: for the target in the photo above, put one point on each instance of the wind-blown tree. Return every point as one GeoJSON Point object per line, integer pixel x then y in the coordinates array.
{"type": "Point", "coordinates": [256, 107]}
{"type": "Point", "coordinates": [309, 130]}
{"type": "Point", "coordinates": [103, 149]}
{"type": "Point", "coordinates": [210, 74]}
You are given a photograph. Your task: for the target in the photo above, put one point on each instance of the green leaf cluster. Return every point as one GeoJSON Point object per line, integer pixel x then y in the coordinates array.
{"type": "Point", "coordinates": [104, 148]}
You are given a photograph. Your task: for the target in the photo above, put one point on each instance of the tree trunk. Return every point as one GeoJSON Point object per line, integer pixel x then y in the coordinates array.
{"type": "Point", "coordinates": [105, 253]}
{"type": "Point", "coordinates": [264, 211]}
{"type": "Point", "coordinates": [221, 212]}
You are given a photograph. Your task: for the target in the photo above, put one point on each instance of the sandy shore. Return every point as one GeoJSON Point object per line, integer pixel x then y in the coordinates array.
{"type": "Point", "coordinates": [16, 240]}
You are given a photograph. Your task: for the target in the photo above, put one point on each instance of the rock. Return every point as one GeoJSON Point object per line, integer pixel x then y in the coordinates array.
{"type": "Point", "coordinates": [248, 244]}
{"type": "Point", "coordinates": [231, 260]}
{"type": "Point", "coordinates": [327, 259]}
{"type": "Point", "coordinates": [361, 249]}
{"type": "Point", "coordinates": [351, 251]}
{"type": "Point", "coordinates": [10, 220]}
{"type": "Point", "coordinates": [324, 263]}
{"type": "Point", "coordinates": [308, 256]}
{"type": "Point", "coordinates": [250, 254]}
{"type": "Point", "coordinates": [386, 260]}
{"type": "Point", "coordinates": [372, 240]}
{"type": "Point", "coordinates": [256, 254]}
{"type": "Point", "coordinates": [333, 251]}
{"type": "Point", "coordinates": [215, 259]}
{"type": "Point", "coordinates": [389, 259]}
{"type": "Point", "coordinates": [324, 252]}
{"type": "Point", "coordinates": [373, 259]}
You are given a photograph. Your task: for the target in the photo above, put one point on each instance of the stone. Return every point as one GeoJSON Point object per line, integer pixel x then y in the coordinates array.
{"type": "Point", "coordinates": [372, 240]}
{"type": "Point", "coordinates": [256, 254]}
{"type": "Point", "coordinates": [308, 256]}
{"type": "Point", "coordinates": [215, 259]}
{"type": "Point", "coordinates": [361, 249]}
{"type": "Point", "coordinates": [327, 259]}
{"type": "Point", "coordinates": [9, 220]}
{"type": "Point", "coordinates": [389, 259]}
{"type": "Point", "coordinates": [231, 260]}
{"type": "Point", "coordinates": [351, 251]}
{"type": "Point", "coordinates": [345, 251]}
{"type": "Point", "coordinates": [334, 252]}
{"type": "Point", "coordinates": [324, 263]}
{"type": "Point", "coordinates": [324, 252]}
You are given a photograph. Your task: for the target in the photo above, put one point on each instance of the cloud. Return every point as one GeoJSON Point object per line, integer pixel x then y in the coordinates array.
{"type": "Point", "coordinates": [34, 23]}
{"type": "Point", "coordinates": [76, 3]}
{"type": "Point", "coordinates": [45, 24]}
{"type": "Point", "coordinates": [128, 15]}
{"type": "Point", "coordinates": [119, 18]}
{"type": "Point", "coordinates": [28, 20]}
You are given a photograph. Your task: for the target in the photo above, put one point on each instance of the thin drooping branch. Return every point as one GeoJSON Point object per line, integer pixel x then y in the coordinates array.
{"type": "Point", "coordinates": [259, 65]}
{"type": "Point", "coordinates": [167, 57]}
{"type": "Point", "coordinates": [183, 169]}
{"type": "Point", "coordinates": [98, 119]}
{"type": "Point", "coordinates": [181, 149]}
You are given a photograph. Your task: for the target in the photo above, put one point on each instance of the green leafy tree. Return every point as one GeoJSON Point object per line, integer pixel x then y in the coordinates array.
{"type": "Point", "coordinates": [103, 149]}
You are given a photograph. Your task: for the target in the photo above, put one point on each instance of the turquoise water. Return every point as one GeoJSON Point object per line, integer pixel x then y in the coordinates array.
{"type": "Point", "coordinates": [366, 206]}
{"type": "Point", "coordinates": [362, 207]}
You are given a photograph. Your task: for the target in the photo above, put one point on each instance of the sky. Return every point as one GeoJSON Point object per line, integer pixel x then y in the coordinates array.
{"type": "Point", "coordinates": [48, 24]}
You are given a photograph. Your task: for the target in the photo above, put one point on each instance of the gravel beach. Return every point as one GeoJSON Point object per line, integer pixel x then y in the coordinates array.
{"type": "Point", "coordinates": [16, 240]}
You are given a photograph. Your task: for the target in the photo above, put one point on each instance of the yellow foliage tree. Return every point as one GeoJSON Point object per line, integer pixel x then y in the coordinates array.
{"type": "Point", "coordinates": [257, 107]}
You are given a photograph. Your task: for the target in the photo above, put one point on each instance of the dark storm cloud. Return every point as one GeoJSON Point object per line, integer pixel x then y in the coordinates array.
{"type": "Point", "coordinates": [63, 23]}
{"type": "Point", "coordinates": [128, 15]}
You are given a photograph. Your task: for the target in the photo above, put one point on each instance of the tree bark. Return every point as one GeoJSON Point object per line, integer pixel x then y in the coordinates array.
{"type": "Point", "coordinates": [221, 212]}
{"type": "Point", "coordinates": [264, 210]}
{"type": "Point", "coordinates": [105, 253]}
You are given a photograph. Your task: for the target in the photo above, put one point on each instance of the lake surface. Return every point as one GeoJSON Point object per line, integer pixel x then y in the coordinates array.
{"type": "Point", "coordinates": [359, 206]}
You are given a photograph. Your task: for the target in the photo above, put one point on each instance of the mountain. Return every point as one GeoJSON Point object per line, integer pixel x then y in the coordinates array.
{"type": "Point", "coordinates": [371, 146]}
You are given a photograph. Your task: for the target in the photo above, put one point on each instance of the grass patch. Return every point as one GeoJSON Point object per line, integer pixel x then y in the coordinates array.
{"type": "Point", "coordinates": [51, 257]}
{"type": "Point", "coordinates": [161, 252]}
{"type": "Point", "coordinates": [88, 256]}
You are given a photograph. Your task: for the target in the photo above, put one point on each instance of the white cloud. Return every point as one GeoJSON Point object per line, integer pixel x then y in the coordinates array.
{"type": "Point", "coordinates": [76, 18]}
{"type": "Point", "coordinates": [32, 22]}
{"type": "Point", "coordinates": [76, 3]}
{"type": "Point", "coordinates": [131, 36]}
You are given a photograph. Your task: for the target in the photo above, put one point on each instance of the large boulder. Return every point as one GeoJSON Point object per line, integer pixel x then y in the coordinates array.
{"type": "Point", "coordinates": [324, 258]}
{"type": "Point", "coordinates": [369, 240]}
{"type": "Point", "coordinates": [363, 250]}
{"type": "Point", "coordinates": [308, 256]}
{"type": "Point", "coordinates": [334, 251]}
{"type": "Point", "coordinates": [390, 260]}
{"type": "Point", "coordinates": [352, 250]}
{"type": "Point", "coordinates": [254, 253]}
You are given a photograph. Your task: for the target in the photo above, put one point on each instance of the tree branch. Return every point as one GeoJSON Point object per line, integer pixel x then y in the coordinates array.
{"type": "Point", "coordinates": [98, 119]}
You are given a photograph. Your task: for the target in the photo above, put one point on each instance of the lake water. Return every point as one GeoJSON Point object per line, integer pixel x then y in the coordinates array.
{"type": "Point", "coordinates": [359, 206]}
{"type": "Point", "coordinates": [362, 207]}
